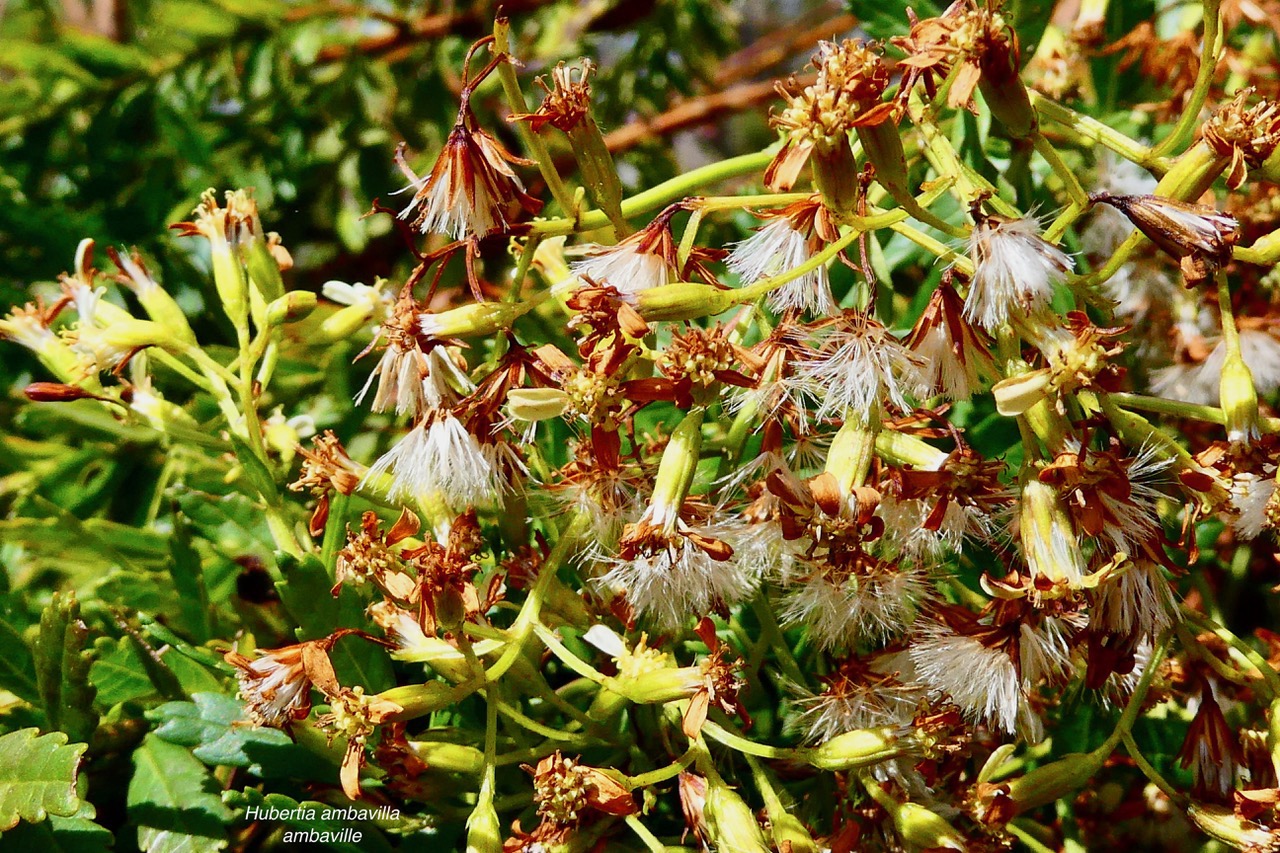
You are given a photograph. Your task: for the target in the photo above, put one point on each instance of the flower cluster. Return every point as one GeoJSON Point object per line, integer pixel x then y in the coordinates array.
{"type": "Point", "coordinates": [859, 504]}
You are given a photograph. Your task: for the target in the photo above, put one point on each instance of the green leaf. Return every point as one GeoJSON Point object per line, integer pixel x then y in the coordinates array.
{"type": "Point", "coordinates": [204, 657]}
{"type": "Point", "coordinates": [62, 669]}
{"type": "Point", "coordinates": [119, 674]}
{"type": "Point", "coordinates": [172, 801]}
{"type": "Point", "coordinates": [254, 469]}
{"type": "Point", "coordinates": [318, 613]}
{"type": "Point", "coordinates": [233, 523]}
{"type": "Point", "coordinates": [213, 726]}
{"type": "Point", "coordinates": [371, 839]}
{"type": "Point", "coordinates": [75, 834]}
{"type": "Point", "coordinates": [17, 666]}
{"type": "Point", "coordinates": [60, 835]}
{"type": "Point", "coordinates": [196, 615]}
{"type": "Point", "coordinates": [37, 776]}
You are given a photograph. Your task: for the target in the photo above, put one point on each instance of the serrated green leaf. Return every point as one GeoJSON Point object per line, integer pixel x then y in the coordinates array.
{"type": "Point", "coordinates": [213, 726]}
{"type": "Point", "coordinates": [60, 835]}
{"type": "Point", "coordinates": [62, 669]}
{"type": "Point", "coordinates": [318, 613]}
{"type": "Point", "coordinates": [17, 665]}
{"type": "Point", "coordinates": [37, 776]}
{"type": "Point", "coordinates": [172, 801]}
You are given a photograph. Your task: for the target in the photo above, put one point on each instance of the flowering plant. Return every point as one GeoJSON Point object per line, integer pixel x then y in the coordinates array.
{"type": "Point", "coordinates": [922, 513]}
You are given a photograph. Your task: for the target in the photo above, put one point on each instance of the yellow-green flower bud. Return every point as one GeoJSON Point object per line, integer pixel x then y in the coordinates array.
{"type": "Point", "coordinates": [852, 750]}
{"type": "Point", "coordinates": [1222, 824]}
{"type": "Point", "coordinates": [484, 831]}
{"type": "Point", "coordinates": [682, 301]}
{"type": "Point", "coordinates": [923, 829]}
{"type": "Point", "coordinates": [849, 458]}
{"type": "Point", "coordinates": [229, 280]}
{"type": "Point", "coordinates": [1273, 734]}
{"type": "Point", "coordinates": [264, 269]}
{"type": "Point", "coordinates": [1238, 397]}
{"type": "Point", "coordinates": [679, 464]}
{"type": "Point", "coordinates": [1053, 781]}
{"type": "Point", "coordinates": [474, 320]}
{"type": "Point", "coordinates": [787, 830]}
{"type": "Point", "coordinates": [660, 686]}
{"type": "Point", "coordinates": [345, 322]}
{"type": "Point", "coordinates": [1270, 168]}
{"type": "Point", "coordinates": [882, 143]}
{"type": "Point", "coordinates": [26, 327]}
{"type": "Point", "coordinates": [731, 825]}
{"type": "Point", "coordinates": [1192, 173]}
{"type": "Point", "coordinates": [1009, 103]}
{"type": "Point", "coordinates": [536, 404]}
{"type": "Point", "coordinates": [1265, 250]}
{"type": "Point", "coordinates": [291, 307]}
{"type": "Point", "coordinates": [449, 757]}
{"type": "Point", "coordinates": [835, 174]}
{"type": "Point", "coordinates": [155, 300]}
{"type": "Point", "coordinates": [1048, 540]}
{"type": "Point", "coordinates": [899, 448]}
{"type": "Point", "coordinates": [418, 700]}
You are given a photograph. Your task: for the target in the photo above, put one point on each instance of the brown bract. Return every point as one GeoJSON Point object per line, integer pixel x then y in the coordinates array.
{"type": "Point", "coordinates": [325, 467]}
{"type": "Point", "coordinates": [567, 792]}
{"type": "Point", "coordinates": [965, 479]}
{"type": "Point", "coordinates": [371, 554]}
{"type": "Point", "coordinates": [567, 101]}
{"type": "Point", "coordinates": [721, 683]}
{"type": "Point", "coordinates": [851, 79]}
{"type": "Point", "coordinates": [1247, 135]}
{"type": "Point", "coordinates": [446, 574]}
{"type": "Point", "coordinates": [965, 43]}
{"type": "Point", "coordinates": [472, 191]}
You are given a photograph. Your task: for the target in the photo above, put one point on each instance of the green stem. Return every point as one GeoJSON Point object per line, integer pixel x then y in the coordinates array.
{"type": "Point", "coordinates": [527, 618]}
{"type": "Point", "coordinates": [662, 774]}
{"type": "Point", "coordinates": [1092, 129]}
{"type": "Point", "coordinates": [1270, 677]}
{"type": "Point", "coordinates": [928, 243]}
{"type": "Point", "coordinates": [515, 100]}
{"type": "Point", "coordinates": [747, 747]}
{"type": "Point", "coordinates": [1134, 708]}
{"type": "Point", "coordinates": [1210, 45]}
{"type": "Point", "coordinates": [660, 196]}
{"type": "Point", "coordinates": [650, 840]}
{"type": "Point", "coordinates": [1230, 336]}
{"type": "Point", "coordinates": [1150, 772]}
{"type": "Point", "coordinates": [1033, 843]}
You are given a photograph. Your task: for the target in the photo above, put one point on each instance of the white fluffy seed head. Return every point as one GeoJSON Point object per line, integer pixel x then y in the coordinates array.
{"type": "Point", "coordinates": [623, 267]}
{"type": "Point", "coordinates": [982, 682]}
{"type": "Point", "coordinates": [1015, 270]}
{"type": "Point", "coordinates": [440, 456]}
{"type": "Point", "coordinates": [842, 612]}
{"type": "Point", "coordinates": [778, 248]}
{"type": "Point", "coordinates": [671, 585]}
{"type": "Point", "coordinates": [859, 364]}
